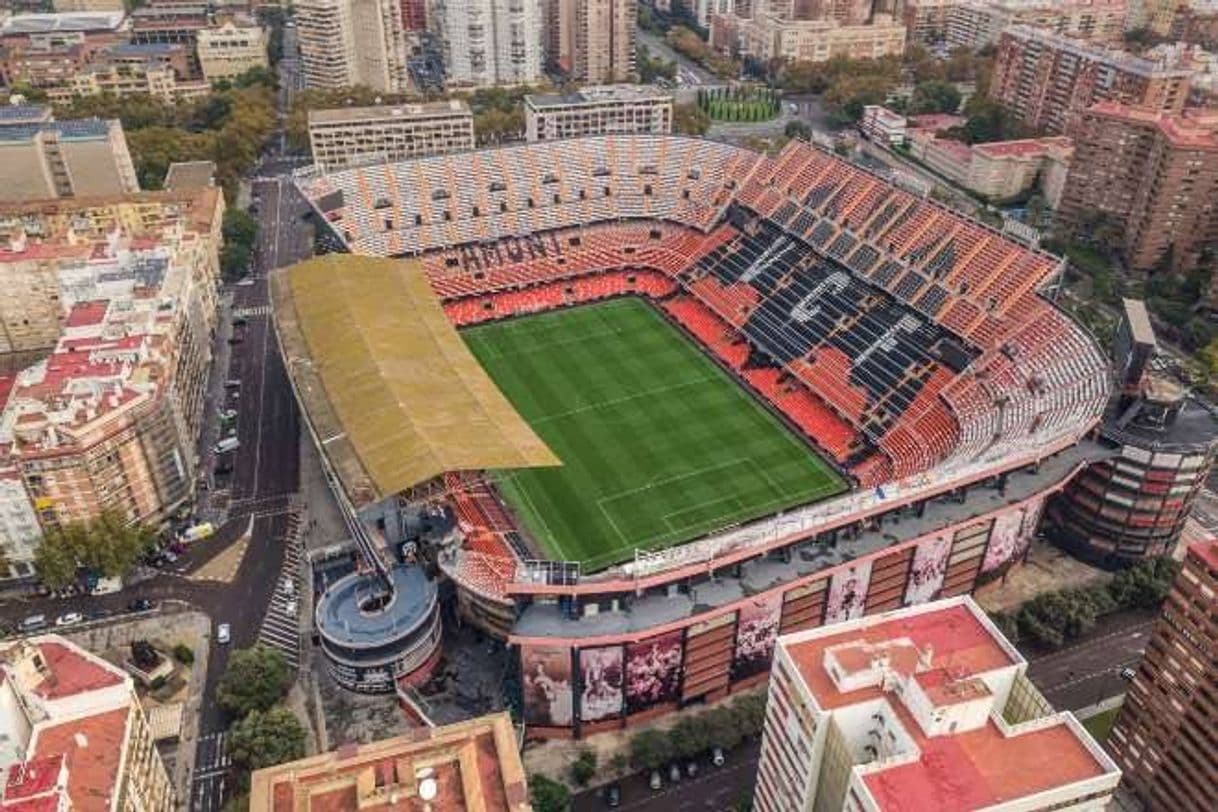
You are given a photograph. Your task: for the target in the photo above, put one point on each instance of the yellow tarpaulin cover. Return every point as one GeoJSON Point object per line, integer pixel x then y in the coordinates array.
{"type": "Point", "coordinates": [389, 387]}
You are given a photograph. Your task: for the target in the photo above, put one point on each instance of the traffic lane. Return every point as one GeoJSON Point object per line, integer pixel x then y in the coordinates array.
{"type": "Point", "coordinates": [204, 596]}
{"type": "Point", "coordinates": [1088, 670]}
{"type": "Point", "coordinates": [713, 788]}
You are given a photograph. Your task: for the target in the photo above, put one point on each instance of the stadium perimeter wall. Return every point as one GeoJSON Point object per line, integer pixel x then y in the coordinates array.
{"type": "Point", "coordinates": [580, 685]}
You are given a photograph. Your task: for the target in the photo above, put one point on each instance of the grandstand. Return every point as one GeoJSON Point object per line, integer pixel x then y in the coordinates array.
{"type": "Point", "coordinates": [910, 345]}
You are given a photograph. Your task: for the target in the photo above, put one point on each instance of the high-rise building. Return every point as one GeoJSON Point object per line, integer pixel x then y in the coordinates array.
{"type": "Point", "coordinates": [489, 42]}
{"type": "Point", "coordinates": [605, 110]}
{"type": "Point", "coordinates": [1048, 80]}
{"type": "Point", "coordinates": [349, 136]}
{"type": "Point", "coordinates": [78, 158]}
{"type": "Point", "coordinates": [73, 734]}
{"type": "Point", "coordinates": [473, 764]}
{"type": "Point", "coordinates": [1164, 738]}
{"type": "Point", "coordinates": [352, 42]}
{"type": "Point", "coordinates": [978, 23]}
{"type": "Point", "coordinates": [592, 40]}
{"type": "Point", "coordinates": [814, 31]}
{"type": "Point", "coordinates": [927, 707]}
{"type": "Point", "coordinates": [1154, 174]}
{"type": "Point", "coordinates": [926, 20]}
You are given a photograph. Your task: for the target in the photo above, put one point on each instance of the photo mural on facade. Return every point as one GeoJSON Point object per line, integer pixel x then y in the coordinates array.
{"type": "Point", "coordinates": [848, 592]}
{"type": "Point", "coordinates": [601, 683]}
{"type": "Point", "coordinates": [546, 680]}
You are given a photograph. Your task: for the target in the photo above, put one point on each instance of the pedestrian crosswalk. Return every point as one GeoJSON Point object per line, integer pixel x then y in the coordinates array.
{"type": "Point", "coordinates": [211, 782]}
{"type": "Point", "coordinates": [247, 312]}
{"type": "Point", "coordinates": [281, 627]}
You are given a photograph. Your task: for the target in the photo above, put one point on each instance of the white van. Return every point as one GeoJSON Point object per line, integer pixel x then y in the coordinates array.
{"type": "Point", "coordinates": [227, 444]}
{"type": "Point", "coordinates": [107, 586]}
{"type": "Point", "coordinates": [198, 532]}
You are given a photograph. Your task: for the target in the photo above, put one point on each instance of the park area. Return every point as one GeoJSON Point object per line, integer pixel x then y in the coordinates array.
{"type": "Point", "coordinates": [740, 103]}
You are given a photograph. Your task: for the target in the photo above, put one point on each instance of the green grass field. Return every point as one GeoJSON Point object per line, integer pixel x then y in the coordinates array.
{"type": "Point", "coordinates": [658, 444]}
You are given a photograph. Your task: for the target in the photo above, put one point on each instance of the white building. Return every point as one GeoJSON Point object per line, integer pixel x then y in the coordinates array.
{"type": "Point", "coordinates": [350, 136]}
{"type": "Point", "coordinates": [603, 110]}
{"type": "Point", "coordinates": [883, 125]}
{"type": "Point", "coordinates": [230, 50]}
{"type": "Point", "coordinates": [352, 42]}
{"type": "Point", "coordinates": [19, 530]}
{"type": "Point", "coordinates": [926, 707]}
{"type": "Point", "coordinates": [489, 42]}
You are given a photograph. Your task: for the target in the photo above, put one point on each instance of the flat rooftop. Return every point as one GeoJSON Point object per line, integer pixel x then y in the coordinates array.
{"type": "Point", "coordinates": [384, 112]}
{"type": "Point", "coordinates": [958, 771]}
{"type": "Point", "coordinates": [471, 765]}
{"type": "Point", "coordinates": [190, 175]}
{"type": "Point", "coordinates": [22, 24]}
{"type": "Point", "coordinates": [597, 94]}
{"type": "Point", "coordinates": [341, 618]}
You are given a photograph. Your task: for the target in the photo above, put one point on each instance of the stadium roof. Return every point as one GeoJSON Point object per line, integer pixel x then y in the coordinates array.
{"type": "Point", "coordinates": [390, 389]}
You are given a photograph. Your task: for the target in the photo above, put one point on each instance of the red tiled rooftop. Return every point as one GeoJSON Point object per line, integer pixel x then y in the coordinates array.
{"type": "Point", "coordinates": [86, 313]}
{"type": "Point", "coordinates": [980, 768]}
{"type": "Point", "coordinates": [1206, 551]}
{"type": "Point", "coordinates": [70, 672]}
{"type": "Point", "coordinates": [1024, 148]}
{"type": "Point", "coordinates": [957, 638]}
{"type": "Point", "coordinates": [93, 749]}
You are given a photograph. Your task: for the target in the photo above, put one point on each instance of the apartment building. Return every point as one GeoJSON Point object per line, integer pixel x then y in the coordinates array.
{"type": "Point", "coordinates": [998, 171]}
{"type": "Point", "coordinates": [172, 24]}
{"type": "Point", "coordinates": [127, 70]}
{"type": "Point", "coordinates": [350, 136]}
{"type": "Point", "coordinates": [46, 50]}
{"type": "Point", "coordinates": [604, 110]}
{"type": "Point", "coordinates": [769, 36]}
{"type": "Point", "coordinates": [1164, 736]}
{"type": "Point", "coordinates": [229, 50]}
{"type": "Point", "coordinates": [110, 417]}
{"type": "Point", "coordinates": [473, 764]}
{"type": "Point", "coordinates": [78, 158]}
{"type": "Point", "coordinates": [926, 707]}
{"type": "Point", "coordinates": [926, 20]}
{"type": "Point", "coordinates": [64, 6]}
{"type": "Point", "coordinates": [489, 42]}
{"type": "Point", "coordinates": [593, 41]}
{"type": "Point", "coordinates": [1155, 173]}
{"type": "Point", "coordinates": [19, 529]}
{"type": "Point", "coordinates": [978, 23]}
{"type": "Point", "coordinates": [1047, 80]}
{"type": "Point", "coordinates": [74, 734]}
{"type": "Point", "coordinates": [353, 42]}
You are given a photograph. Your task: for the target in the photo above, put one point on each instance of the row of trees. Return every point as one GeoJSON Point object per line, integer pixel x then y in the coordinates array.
{"type": "Point", "coordinates": [240, 231]}
{"type": "Point", "coordinates": [229, 126]}
{"type": "Point", "coordinates": [693, 47]}
{"type": "Point", "coordinates": [723, 726]}
{"type": "Point", "coordinates": [651, 68]}
{"type": "Point", "coordinates": [107, 545]}
{"type": "Point", "coordinates": [740, 103]}
{"type": "Point", "coordinates": [1055, 618]}
{"type": "Point", "coordinates": [265, 732]}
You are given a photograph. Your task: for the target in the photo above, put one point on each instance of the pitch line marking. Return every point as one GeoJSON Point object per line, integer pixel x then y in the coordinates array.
{"type": "Point", "coordinates": [592, 407]}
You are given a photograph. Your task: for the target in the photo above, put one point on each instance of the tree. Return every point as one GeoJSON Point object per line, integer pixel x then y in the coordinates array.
{"type": "Point", "coordinates": [690, 736]}
{"type": "Point", "coordinates": [107, 545]}
{"type": "Point", "coordinates": [239, 230]}
{"type": "Point", "coordinates": [547, 795]}
{"type": "Point", "coordinates": [255, 680]}
{"type": "Point", "coordinates": [584, 767]}
{"type": "Point", "coordinates": [649, 749]}
{"type": "Point", "coordinates": [797, 129]}
{"type": "Point", "coordinates": [689, 119]}
{"type": "Point", "coordinates": [264, 738]}
{"type": "Point", "coordinates": [934, 97]}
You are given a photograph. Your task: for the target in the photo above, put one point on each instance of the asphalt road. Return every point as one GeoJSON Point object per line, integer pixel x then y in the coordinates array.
{"type": "Point", "coordinates": [1089, 671]}
{"type": "Point", "coordinates": [713, 789]}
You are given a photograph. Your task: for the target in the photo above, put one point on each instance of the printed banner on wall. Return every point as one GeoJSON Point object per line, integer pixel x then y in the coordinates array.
{"type": "Point", "coordinates": [601, 681]}
{"type": "Point", "coordinates": [1031, 518]}
{"type": "Point", "coordinates": [929, 567]}
{"type": "Point", "coordinates": [848, 593]}
{"type": "Point", "coordinates": [756, 633]}
{"type": "Point", "coordinates": [546, 678]}
{"type": "Point", "coordinates": [653, 671]}
{"type": "Point", "coordinates": [1004, 541]}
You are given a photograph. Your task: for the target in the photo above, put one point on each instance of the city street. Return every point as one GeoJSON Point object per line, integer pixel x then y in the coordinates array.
{"type": "Point", "coordinates": [1089, 671]}
{"type": "Point", "coordinates": [713, 789]}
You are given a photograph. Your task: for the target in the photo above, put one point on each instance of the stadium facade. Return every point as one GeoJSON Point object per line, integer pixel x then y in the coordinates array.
{"type": "Point", "coordinates": [914, 347]}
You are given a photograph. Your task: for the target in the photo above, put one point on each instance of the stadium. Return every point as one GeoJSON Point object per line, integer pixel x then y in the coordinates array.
{"type": "Point", "coordinates": [648, 401]}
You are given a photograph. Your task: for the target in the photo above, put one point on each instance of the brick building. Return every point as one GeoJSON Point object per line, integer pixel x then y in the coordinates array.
{"type": "Point", "coordinates": [1153, 173]}
{"type": "Point", "coordinates": [1048, 80]}
{"type": "Point", "coordinates": [1164, 736]}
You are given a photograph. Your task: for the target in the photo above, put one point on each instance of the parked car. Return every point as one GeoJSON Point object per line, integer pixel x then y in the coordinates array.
{"type": "Point", "coordinates": [655, 782]}
{"type": "Point", "coordinates": [69, 619]}
{"type": "Point", "coordinates": [691, 769]}
{"type": "Point", "coordinates": [613, 796]}
{"type": "Point", "coordinates": [228, 414]}
{"type": "Point", "coordinates": [674, 773]}
{"type": "Point", "coordinates": [239, 321]}
{"type": "Point", "coordinates": [141, 605]}
{"type": "Point", "coordinates": [226, 445]}
{"type": "Point", "coordinates": [224, 633]}
{"type": "Point", "coordinates": [1128, 674]}
{"type": "Point", "coordinates": [717, 757]}
{"type": "Point", "coordinates": [33, 623]}
{"type": "Point", "coordinates": [234, 340]}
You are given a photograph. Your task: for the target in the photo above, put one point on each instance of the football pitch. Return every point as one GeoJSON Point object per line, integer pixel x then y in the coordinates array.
{"type": "Point", "coordinates": [659, 445]}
